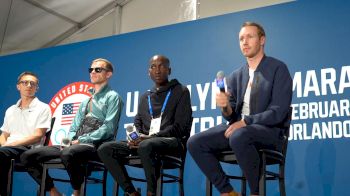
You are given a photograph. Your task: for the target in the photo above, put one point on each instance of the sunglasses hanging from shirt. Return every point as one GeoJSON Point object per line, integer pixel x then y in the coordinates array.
{"type": "Point", "coordinates": [89, 123]}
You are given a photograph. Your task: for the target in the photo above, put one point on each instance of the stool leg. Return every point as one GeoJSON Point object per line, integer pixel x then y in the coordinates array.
{"type": "Point", "coordinates": [10, 177]}
{"type": "Point", "coordinates": [104, 183]}
{"type": "Point", "coordinates": [209, 188]}
{"type": "Point", "coordinates": [181, 182]}
{"type": "Point", "coordinates": [43, 180]}
{"type": "Point", "coordinates": [243, 186]}
{"type": "Point", "coordinates": [159, 191]}
{"type": "Point", "coordinates": [281, 180]}
{"type": "Point", "coordinates": [83, 187]}
{"type": "Point", "coordinates": [262, 180]}
{"type": "Point", "coordinates": [116, 189]}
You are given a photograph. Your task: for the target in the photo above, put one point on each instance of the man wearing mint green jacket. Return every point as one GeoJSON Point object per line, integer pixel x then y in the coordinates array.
{"type": "Point", "coordinates": [95, 122]}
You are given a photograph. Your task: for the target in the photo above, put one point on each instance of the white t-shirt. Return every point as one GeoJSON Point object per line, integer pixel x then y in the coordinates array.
{"type": "Point", "coordinates": [21, 123]}
{"type": "Point", "coordinates": [246, 100]}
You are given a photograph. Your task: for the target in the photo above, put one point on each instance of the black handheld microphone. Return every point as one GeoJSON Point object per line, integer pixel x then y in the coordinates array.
{"type": "Point", "coordinates": [132, 133]}
{"type": "Point", "coordinates": [220, 82]}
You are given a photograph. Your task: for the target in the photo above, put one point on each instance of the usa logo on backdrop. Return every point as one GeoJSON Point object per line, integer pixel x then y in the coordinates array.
{"type": "Point", "coordinates": [64, 106]}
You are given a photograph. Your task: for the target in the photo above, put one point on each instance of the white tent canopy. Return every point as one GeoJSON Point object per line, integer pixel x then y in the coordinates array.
{"type": "Point", "coordinates": [32, 24]}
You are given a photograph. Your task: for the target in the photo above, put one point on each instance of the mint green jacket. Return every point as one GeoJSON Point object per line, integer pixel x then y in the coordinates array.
{"type": "Point", "coordinates": [107, 106]}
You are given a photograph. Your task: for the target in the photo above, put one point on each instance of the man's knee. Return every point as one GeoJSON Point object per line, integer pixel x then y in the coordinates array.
{"type": "Point", "coordinates": [66, 154]}
{"type": "Point", "coordinates": [2, 154]}
{"type": "Point", "coordinates": [145, 148]}
{"type": "Point", "coordinates": [105, 149]}
{"type": "Point", "coordinates": [193, 143]}
{"type": "Point", "coordinates": [200, 142]}
{"type": "Point", "coordinates": [27, 158]}
{"type": "Point", "coordinates": [240, 138]}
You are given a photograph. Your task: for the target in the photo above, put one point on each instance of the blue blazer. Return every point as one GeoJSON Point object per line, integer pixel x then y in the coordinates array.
{"type": "Point", "coordinates": [271, 93]}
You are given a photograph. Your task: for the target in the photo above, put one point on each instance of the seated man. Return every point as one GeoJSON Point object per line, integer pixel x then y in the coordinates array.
{"type": "Point", "coordinates": [95, 122]}
{"type": "Point", "coordinates": [164, 120]}
{"type": "Point", "coordinates": [258, 99]}
{"type": "Point", "coordinates": [24, 126]}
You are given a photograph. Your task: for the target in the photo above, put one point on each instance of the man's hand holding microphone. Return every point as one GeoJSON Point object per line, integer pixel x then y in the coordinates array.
{"type": "Point", "coordinates": [222, 98]}
{"type": "Point", "coordinates": [223, 101]}
{"type": "Point", "coordinates": [134, 137]}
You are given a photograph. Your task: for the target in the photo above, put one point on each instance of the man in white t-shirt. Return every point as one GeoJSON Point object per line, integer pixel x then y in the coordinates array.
{"type": "Point", "coordinates": [24, 126]}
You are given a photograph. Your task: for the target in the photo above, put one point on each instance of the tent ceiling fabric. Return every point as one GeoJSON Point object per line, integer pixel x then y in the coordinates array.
{"type": "Point", "coordinates": [33, 24]}
{"type": "Point", "coordinates": [28, 24]}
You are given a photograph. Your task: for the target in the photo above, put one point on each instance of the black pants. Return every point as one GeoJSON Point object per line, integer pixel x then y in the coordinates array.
{"type": "Point", "coordinates": [112, 154]}
{"type": "Point", "coordinates": [6, 154]}
{"type": "Point", "coordinates": [245, 142]}
{"type": "Point", "coordinates": [72, 157]}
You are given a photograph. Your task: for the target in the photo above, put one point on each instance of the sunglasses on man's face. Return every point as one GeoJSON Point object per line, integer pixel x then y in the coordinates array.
{"type": "Point", "coordinates": [97, 69]}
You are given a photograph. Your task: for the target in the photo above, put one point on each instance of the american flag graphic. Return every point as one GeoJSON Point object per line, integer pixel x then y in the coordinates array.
{"type": "Point", "coordinates": [68, 112]}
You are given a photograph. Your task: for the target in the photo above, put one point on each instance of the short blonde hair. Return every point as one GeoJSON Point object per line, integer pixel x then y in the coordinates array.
{"type": "Point", "coordinates": [109, 65]}
{"type": "Point", "coordinates": [261, 31]}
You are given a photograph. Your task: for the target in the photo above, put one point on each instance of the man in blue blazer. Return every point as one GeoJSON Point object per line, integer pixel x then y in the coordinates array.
{"type": "Point", "coordinates": [258, 99]}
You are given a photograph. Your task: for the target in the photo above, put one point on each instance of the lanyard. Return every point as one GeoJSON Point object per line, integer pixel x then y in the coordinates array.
{"type": "Point", "coordinates": [164, 104]}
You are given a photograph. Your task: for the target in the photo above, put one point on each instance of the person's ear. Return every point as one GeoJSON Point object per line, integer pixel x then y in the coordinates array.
{"type": "Point", "coordinates": [109, 74]}
{"type": "Point", "coordinates": [169, 70]}
{"type": "Point", "coordinates": [17, 85]}
{"type": "Point", "coordinates": [262, 40]}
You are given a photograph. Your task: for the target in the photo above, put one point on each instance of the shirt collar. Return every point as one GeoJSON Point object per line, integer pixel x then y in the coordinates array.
{"type": "Point", "coordinates": [261, 63]}
{"type": "Point", "coordinates": [32, 104]}
{"type": "Point", "coordinates": [165, 88]}
{"type": "Point", "coordinates": [104, 89]}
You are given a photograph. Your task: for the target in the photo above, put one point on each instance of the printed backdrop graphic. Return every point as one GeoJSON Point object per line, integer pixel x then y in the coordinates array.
{"type": "Point", "coordinates": [311, 37]}
{"type": "Point", "coordinates": [64, 106]}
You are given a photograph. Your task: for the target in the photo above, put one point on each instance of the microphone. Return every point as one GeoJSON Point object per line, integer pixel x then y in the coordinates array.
{"type": "Point", "coordinates": [132, 133]}
{"type": "Point", "coordinates": [65, 142]}
{"type": "Point", "coordinates": [220, 82]}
